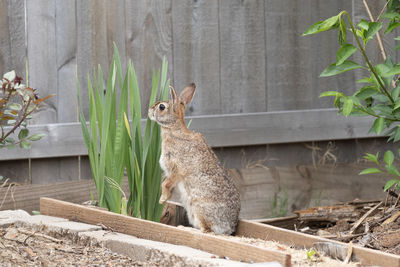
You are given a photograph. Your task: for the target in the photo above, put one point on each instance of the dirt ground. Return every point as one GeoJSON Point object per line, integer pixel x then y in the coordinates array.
{"type": "Point", "coordinates": [24, 247]}
{"type": "Point", "coordinates": [20, 246]}
{"type": "Point", "coordinates": [372, 224]}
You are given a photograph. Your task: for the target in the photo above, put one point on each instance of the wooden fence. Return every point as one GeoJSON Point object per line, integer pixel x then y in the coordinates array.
{"type": "Point", "coordinates": [257, 77]}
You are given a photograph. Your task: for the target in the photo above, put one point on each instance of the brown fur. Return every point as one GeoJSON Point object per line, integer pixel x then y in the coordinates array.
{"type": "Point", "coordinates": [208, 193]}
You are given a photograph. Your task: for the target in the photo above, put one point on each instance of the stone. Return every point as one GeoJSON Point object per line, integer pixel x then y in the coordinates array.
{"type": "Point", "coordinates": [8, 217]}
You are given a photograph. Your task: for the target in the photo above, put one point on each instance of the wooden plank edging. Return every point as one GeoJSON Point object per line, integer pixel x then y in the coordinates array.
{"type": "Point", "coordinates": [26, 197]}
{"type": "Point", "coordinates": [235, 250]}
{"type": "Point", "coordinates": [367, 256]}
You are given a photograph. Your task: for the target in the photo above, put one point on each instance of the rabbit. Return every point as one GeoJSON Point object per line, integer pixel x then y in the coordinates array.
{"type": "Point", "coordinates": [208, 193]}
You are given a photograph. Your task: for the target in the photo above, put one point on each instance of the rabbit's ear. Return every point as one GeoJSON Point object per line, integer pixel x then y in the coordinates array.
{"type": "Point", "coordinates": [188, 93]}
{"type": "Point", "coordinates": [173, 93]}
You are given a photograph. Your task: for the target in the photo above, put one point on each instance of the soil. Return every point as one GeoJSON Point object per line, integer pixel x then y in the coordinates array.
{"type": "Point", "coordinates": [21, 246]}
{"type": "Point", "coordinates": [24, 247]}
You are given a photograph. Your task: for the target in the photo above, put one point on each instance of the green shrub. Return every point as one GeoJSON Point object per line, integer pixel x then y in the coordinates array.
{"type": "Point", "coordinates": [379, 93]}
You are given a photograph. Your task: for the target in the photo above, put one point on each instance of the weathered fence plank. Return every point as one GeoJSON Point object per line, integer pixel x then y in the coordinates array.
{"type": "Point", "coordinates": [66, 48]}
{"type": "Point", "coordinates": [42, 55]}
{"type": "Point", "coordinates": [148, 40]}
{"type": "Point", "coordinates": [196, 53]}
{"type": "Point", "coordinates": [294, 62]}
{"type": "Point", "coordinates": [12, 43]}
{"type": "Point", "coordinates": [242, 42]}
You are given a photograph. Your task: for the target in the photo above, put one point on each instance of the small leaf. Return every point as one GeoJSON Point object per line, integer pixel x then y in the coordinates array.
{"type": "Point", "coordinates": [391, 15]}
{"type": "Point", "coordinates": [365, 80]}
{"type": "Point", "coordinates": [390, 183]}
{"type": "Point", "coordinates": [10, 140]}
{"type": "Point", "coordinates": [35, 212]}
{"type": "Point", "coordinates": [393, 170]}
{"type": "Point", "coordinates": [15, 106]}
{"type": "Point", "coordinates": [11, 122]}
{"type": "Point", "coordinates": [370, 171]}
{"type": "Point", "coordinates": [366, 92]}
{"type": "Point", "coordinates": [23, 133]}
{"type": "Point", "coordinates": [321, 26]}
{"type": "Point", "coordinates": [363, 24]}
{"type": "Point", "coordinates": [373, 28]}
{"type": "Point", "coordinates": [345, 66]}
{"type": "Point", "coordinates": [1, 177]}
{"type": "Point", "coordinates": [378, 125]}
{"type": "Point", "coordinates": [329, 93]}
{"type": "Point", "coordinates": [372, 157]}
{"type": "Point", "coordinates": [25, 144]}
{"type": "Point", "coordinates": [36, 137]}
{"type": "Point", "coordinates": [391, 26]}
{"type": "Point", "coordinates": [396, 135]}
{"type": "Point", "coordinates": [345, 52]}
{"type": "Point", "coordinates": [347, 107]}
{"type": "Point", "coordinates": [395, 93]}
{"type": "Point", "coordinates": [342, 31]}
{"type": "Point", "coordinates": [393, 71]}
{"type": "Point", "coordinates": [388, 158]}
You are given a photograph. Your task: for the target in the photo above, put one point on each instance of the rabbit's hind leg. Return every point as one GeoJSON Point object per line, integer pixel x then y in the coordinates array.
{"type": "Point", "coordinates": [204, 224]}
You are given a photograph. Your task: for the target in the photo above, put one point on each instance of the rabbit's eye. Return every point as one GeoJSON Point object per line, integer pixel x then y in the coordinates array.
{"type": "Point", "coordinates": [162, 106]}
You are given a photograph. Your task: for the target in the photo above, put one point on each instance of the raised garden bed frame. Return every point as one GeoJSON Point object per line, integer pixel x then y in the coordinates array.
{"type": "Point", "coordinates": [235, 250]}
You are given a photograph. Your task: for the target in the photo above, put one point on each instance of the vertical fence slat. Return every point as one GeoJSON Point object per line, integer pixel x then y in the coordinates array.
{"type": "Point", "coordinates": [42, 56]}
{"type": "Point", "coordinates": [16, 28]}
{"type": "Point", "coordinates": [148, 40]}
{"type": "Point", "coordinates": [196, 52]}
{"type": "Point", "coordinates": [66, 61]}
{"type": "Point", "coordinates": [294, 62]}
{"type": "Point", "coordinates": [242, 42]}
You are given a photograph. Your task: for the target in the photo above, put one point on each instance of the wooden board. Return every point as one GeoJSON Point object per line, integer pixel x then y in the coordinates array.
{"type": "Point", "coordinates": [27, 197]}
{"type": "Point", "coordinates": [366, 256]}
{"type": "Point", "coordinates": [293, 62]}
{"type": "Point", "coordinates": [12, 43]}
{"type": "Point", "coordinates": [65, 139]}
{"type": "Point", "coordinates": [196, 52]}
{"type": "Point", "coordinates": [242, 52]}
{"type": "Point", "coordinates": [42, 56]}
{"type": "Point", "coordinates": [66, 48]}
{"type": "Point", "coordinates": [148, 38]}
{"type": "Point", "coordinates": [164, 233]}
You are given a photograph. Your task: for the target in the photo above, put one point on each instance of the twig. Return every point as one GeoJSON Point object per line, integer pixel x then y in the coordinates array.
{"type": "Point", "coordinates": [357, 224]}
{"type": "Point", "coordinates": [349, 253]}
{"type": "Point", "coordinates": [392, 218]}
{"type": "Point", "coordinates": [378, 37]}
{"type": "Point", "coordinates": [30, 234]}
{"type": "Point", "coordinates": [384, 207]}
{"type": "Point", "coordinates": [383, 10]}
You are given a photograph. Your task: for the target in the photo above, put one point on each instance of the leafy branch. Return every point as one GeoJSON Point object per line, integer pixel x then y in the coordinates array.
{"type": "Point", "coordinates": [17, 103]}
{"type": "Point", "coordinates": [380, 97]}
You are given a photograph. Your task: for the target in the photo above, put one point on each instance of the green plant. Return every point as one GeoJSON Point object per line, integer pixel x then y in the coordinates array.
{"type": "Point", "coordinates": [17, 103]}
{"type": "Point", "coordinates": [310, 254]}
{"type": "Point", "coordinates": [112, 148]}
{"type": "Point", "coordinates": [379, 96]}
{"type": "Point", "coordinates": [280, 204]}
